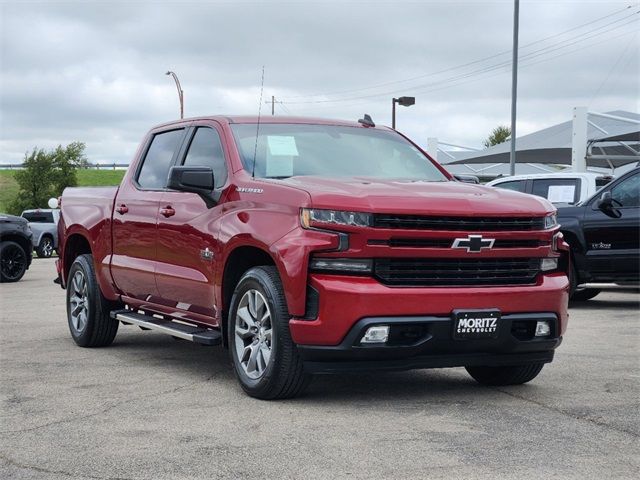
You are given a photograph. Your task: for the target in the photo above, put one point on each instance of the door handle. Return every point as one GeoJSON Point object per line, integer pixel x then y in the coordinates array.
{"type": "Point", "coordinates": [122, 209]}
{"type": "Point", "coordinates": [167, 211]}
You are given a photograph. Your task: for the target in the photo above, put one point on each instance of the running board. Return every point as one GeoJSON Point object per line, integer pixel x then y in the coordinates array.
{"type": "Point", "coordinates": [204, 336]}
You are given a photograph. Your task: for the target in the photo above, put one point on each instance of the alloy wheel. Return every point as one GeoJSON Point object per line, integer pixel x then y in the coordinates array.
{"type": "Point", "coordinates": [13, 262]}
{"type": "Point", "coordinates": [79, 302]}
{"type": "Point", "coordinates": [253, 334]}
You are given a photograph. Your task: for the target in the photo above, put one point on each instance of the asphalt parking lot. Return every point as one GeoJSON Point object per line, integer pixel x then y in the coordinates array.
{"type": "Point", "coordinates": [150, 407]}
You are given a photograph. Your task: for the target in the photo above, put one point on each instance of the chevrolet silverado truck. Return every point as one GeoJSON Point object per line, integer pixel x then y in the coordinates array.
{"type": "Point", "coordinates": [309, 246]}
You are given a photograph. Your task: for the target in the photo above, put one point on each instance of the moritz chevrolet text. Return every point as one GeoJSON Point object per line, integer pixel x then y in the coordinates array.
{"type": "Point", "coordinates": [311, 246]}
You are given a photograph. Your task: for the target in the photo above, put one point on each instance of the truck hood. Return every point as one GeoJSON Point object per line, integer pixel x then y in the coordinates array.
{"type": "Point", "coordinates": [417, 197]}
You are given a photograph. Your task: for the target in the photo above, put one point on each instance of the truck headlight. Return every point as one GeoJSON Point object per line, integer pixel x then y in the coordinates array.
{"type": "Point", "coordinates": [313, 216]}
{"type": "Point", "coordinates": [550, 221]}
{"type": "Point", "coordinates": [352, 266]}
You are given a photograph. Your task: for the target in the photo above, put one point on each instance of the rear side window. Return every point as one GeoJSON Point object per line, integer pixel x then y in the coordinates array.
{"type": "Point", "coordinates": [38, 217]}
{"type": "Point", "coordinates": [206, 151]}
{"type": "Point", "coordinates": [557, 190]}
{"type": "Point", "coordinates": [156, 164]}
{"type": "Point", "coordinates": [517, 185]}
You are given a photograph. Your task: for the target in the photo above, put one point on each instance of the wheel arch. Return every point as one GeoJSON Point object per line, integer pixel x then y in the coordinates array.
{"type": "Point", "coordinates": [21, 240]}
{"type": "Point", "coordinates": [238, 261]}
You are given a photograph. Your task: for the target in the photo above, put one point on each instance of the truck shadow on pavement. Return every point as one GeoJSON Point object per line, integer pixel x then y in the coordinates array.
{"type": "Point", "coordinates": [213, 365]}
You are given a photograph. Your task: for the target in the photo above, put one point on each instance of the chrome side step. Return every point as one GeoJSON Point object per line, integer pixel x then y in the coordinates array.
{"type": "Point", "coordinates": [192, 333]}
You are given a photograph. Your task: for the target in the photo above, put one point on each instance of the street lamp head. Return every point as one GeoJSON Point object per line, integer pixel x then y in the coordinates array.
{"type": "Point", "coordinates": [406, 101]}
{"type": "Point", "coordinates": [168, 73]}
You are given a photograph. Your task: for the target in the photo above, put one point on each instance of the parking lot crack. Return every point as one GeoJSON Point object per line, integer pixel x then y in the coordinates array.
{"type": "Point", "coordinates": [109, 407]}
{"type": "Point", "coordinates": [34, 468]}
{"type": "Point", "coordinates": [570, 415]}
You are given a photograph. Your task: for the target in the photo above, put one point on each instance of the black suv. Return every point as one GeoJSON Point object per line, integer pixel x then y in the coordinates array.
{"type": "Point", "coordinates": [604, 234]}
{"type": "Point", "coordinates": [15, 247]}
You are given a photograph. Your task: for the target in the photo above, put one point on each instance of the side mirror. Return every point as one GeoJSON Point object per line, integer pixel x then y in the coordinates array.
{"type": "Point", "coordinates": [605, 202]}
{"type": "Point", "coordinates": [191, 179]}
{"type": "Point", "coordinates": [462, 177]}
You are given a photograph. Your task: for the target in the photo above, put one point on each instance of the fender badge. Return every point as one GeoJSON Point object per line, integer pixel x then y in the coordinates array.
{"type": "Point", "coordinates": [206, 254]}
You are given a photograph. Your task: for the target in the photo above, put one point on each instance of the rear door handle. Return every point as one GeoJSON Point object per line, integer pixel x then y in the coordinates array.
{"type": "Point", "coordinates": [122, 209]}
{"type": "Point", "coordinates": [167, 211]}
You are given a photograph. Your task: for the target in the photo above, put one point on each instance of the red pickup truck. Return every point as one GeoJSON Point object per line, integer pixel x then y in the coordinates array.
{"type": "Point", "coordinates": [310, 246]}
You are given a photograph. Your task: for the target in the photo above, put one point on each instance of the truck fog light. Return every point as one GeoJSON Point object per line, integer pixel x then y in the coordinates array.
{"type": "Point", "coordinates": [548, 264]}
{"type": "Point", "coordinates": [543, 329]}
{"type": "Point", "coordinates": [377, 334]}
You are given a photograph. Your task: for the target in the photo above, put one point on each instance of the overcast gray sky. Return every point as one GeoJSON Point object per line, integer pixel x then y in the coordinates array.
{"type": "Point", "coordinates": [93, 71]}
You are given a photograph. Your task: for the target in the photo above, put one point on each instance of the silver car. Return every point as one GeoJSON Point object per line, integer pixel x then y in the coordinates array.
{"type": "Point", "coordinates": [44, 225]}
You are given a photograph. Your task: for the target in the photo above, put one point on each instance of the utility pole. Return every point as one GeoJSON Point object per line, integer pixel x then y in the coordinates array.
{"type": "Point", "coordinates": [273, 105]}
{"type": "Point", "coordinates": [514, 87]}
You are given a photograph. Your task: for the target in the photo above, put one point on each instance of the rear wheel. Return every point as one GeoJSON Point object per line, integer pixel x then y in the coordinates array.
{"type": "Point", "coordinates": [13, 261]}
{"type": "Point", "coordinates": [45, 247]}
{"type": "Point", "coordinates": [265, 358]}
{"type": "Point", "coordinates": [509, 375]}
{"type": "Point", "coordinates": [87, 310]}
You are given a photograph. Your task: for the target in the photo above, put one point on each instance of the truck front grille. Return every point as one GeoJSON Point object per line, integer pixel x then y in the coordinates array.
{"type": "Point", "coordinates": [456, 271]}
{"type": "Point", "coordinates": [420, 222]}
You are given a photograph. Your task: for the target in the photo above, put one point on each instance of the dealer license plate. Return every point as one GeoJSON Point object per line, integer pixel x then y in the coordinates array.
{"type": "Point", "coordinates": [469, 324]}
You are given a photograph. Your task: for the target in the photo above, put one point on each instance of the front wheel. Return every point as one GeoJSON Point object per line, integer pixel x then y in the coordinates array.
{"type": "Point", "coordinates": [510, 375]}
{"type": "Point", "coordinates": [45, 248]}
{"type": "Point", "coordinates": [13, 261]}
{"type": "Point", "coordinates": [87, 310]}
{"type": "Point", "coordinates": [264, 357]}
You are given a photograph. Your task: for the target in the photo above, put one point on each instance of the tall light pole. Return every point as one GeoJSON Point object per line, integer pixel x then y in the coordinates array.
{"type": "Point", "coordinates": [180, 92]}
{"type": "Point", "coordinates": [405, 102]}
{"type": "Point", "coordinates": [514, 87]}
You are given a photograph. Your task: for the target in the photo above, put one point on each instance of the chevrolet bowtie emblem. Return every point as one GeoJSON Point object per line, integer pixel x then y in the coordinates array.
{"type": "Point", "coordinates": [473, 243]}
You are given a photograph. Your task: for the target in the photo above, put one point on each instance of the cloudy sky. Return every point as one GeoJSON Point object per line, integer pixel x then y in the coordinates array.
{"type": "Point", "coordinates": [93, 71]}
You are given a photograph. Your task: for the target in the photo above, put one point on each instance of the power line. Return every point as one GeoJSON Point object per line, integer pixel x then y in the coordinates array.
{"type": "Point", "coordinates": [613, 67]}
{"type": "Point", "coordinates": [536, 53]}
{"type": "Point", "coordinates": [481, 60]}
{"type": "Point", "coordinates": [502, 71]}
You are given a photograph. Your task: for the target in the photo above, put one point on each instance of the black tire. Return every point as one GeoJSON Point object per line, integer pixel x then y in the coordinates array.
{"type": "Point", "coordinates": [283, 376]}
{"type": "Point", "coordinates": [579, 294]}
{"type": "Point", "coordinates": [13, 261]}
{"type": "Point", "coordinates": [45, 247]}
{"type": "Point", "coordinates": [584, 294]}
{"type": "Point", "coordinates": [98, 328]}
{"type": "Point", "coordinates": [509, 375]}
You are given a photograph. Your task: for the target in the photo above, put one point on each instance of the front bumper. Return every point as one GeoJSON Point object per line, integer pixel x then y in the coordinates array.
{"type": "Point", "coordinates": [427, 342]}
{"type": "Point", "coordinates": [345, 300]}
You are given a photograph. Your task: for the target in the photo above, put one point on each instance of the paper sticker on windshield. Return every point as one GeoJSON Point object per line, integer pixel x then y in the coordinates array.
{"type": "Point", "coordinates": [561, 193]}
{"type": "Point", "coordinates": [280, 145]}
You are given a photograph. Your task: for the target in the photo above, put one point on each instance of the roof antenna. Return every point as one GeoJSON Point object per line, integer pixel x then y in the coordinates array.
{"type": "Point", "coordinates": [255, 148]}
{"type": "Point", "coordinates": [366, 121]}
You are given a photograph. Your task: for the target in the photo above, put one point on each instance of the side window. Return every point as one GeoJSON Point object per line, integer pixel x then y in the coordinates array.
{"type": "Point", "coordinates": [517, 185]}
{"type": "Point", "coordinates": [156, 164]}
{"type": "Point", "coordinates": [627, 192]}
{"type": "Point", "coordinates": [557, 190]}
{"type": "Point", "coordinates": [206, 151]}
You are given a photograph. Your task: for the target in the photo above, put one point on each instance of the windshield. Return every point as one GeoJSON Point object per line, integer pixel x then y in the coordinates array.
{"type": "Point", "coordinates": [286, 150]}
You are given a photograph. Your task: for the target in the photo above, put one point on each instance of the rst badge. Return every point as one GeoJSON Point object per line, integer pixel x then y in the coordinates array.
{"type": "Point", "coordinates": [206, 255]}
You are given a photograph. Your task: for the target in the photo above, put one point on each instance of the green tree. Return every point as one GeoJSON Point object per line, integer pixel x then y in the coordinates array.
{"type": "Point", "coordinates": [499, 135]}
{"type": "Point", "coordinates": [46, 174]}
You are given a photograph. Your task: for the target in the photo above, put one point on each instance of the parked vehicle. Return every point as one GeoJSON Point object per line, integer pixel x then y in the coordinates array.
{"type": "Point", "coordinates": [559, 188]}
{"type": "Point", "coordinates": [604, 235]}
{"type": "Point", "coordinates": [313, 246]}
{"type": "Point", "coordinates": [15, 247]}
{"type": "Point", "coordinates": [44, 225]}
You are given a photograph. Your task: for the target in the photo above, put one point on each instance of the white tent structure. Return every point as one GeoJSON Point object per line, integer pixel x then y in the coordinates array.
{"type": "Point", "coordinates": [602, 140]}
